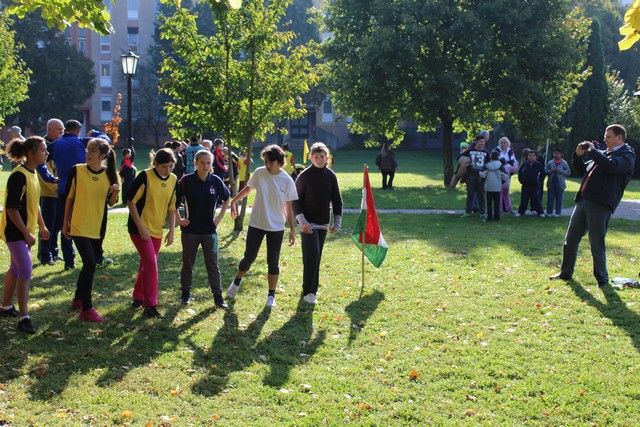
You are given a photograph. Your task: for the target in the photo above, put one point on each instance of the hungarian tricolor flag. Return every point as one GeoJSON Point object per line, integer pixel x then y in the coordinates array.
{"type": "Point", "coordinates": [367, 229]}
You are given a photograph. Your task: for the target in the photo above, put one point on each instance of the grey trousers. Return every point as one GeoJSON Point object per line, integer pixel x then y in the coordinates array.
{"type": "Point", "coordinates": [594, 218]}
{"type": "Point", "coordinates": [190, 244]}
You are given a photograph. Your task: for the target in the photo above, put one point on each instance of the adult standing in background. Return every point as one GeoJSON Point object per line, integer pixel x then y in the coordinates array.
{"type": "Point", "coordinates": [15, 132]}
{"type": "Point", "coordinates": [508, 159]}
{"type": "Point", "coordinates": [557, 170]}
{"type": "Point", "coordinates": [605, 175]}
{"type": "Point", "coordinates": [387, 163]}
{"type": "Point", "coordinates": [48, 248]}
{"type": "Point", "coordinates": [190, 154]}
{"type": "Point", "coordinates": [66, 152]}
{"type": "Point", "coordinates": [289, 161]}
{"type": "Point", "coordinates": [479, 157]}
{"type": "Point", "coordinates": [219, 166]}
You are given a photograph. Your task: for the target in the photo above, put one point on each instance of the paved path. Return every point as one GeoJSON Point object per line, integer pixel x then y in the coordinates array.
{"type": "Point", "coordinates": [628, 209]}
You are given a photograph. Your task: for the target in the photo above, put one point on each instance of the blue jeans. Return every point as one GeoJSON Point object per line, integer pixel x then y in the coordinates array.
{"type": "Point", "coordinates": [554, 198]}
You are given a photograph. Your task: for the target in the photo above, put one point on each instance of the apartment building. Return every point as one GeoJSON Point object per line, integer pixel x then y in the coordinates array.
{"type": "Point", "coordinates": [134, 24]}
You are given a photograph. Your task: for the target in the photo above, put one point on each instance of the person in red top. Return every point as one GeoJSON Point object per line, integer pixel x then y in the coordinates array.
{"type": "Point", "coordinates": [219, 166]}
{"type": "Point", "coordinates": [127, 172]}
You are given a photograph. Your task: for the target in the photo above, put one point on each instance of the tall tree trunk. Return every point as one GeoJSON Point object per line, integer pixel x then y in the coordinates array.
{"type": "Point", "coordinates": [447, 145]}
{"type": "Point", "coordinates": [238, 225]}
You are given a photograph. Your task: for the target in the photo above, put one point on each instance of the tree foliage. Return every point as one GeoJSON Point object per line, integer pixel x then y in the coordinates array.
{"type": "Point", "coordinates": [239, 81]}
{"type": "Point", "coordinates": [14, 76]}
{"type": "Point", "coordinates": [590, 107]}
{"type": "Point", "coordinates": [610, 14]}
{"type": "Point", "coordinates": [62, 78]}
{"type": "Point", "coordinates": [91, 14]}
{"type": "Point", "coordinates": [455, 62]}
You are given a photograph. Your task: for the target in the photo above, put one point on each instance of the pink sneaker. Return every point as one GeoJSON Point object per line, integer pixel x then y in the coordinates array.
{"type": "Point", "coordinates": [76, 304]}
{"type": "Point", "coordinates": [90, 315]}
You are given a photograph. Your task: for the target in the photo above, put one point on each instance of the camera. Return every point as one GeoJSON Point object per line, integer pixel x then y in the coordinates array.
{"type": "Point", "coordinates": [584, 145]}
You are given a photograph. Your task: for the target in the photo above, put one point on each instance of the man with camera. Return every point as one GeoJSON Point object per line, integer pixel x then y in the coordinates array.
{"type": "Point", "coordinates": [605, 175]}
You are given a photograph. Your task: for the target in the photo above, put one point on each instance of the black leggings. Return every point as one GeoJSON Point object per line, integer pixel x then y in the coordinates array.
{"type": "Point", "coordinates": [254, 240]}
{"type": "Point", "coordinates": [89, 250]}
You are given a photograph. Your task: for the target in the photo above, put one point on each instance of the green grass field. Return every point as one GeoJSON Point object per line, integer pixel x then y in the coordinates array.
{"type": "Point", "coordinates": [459, 327]}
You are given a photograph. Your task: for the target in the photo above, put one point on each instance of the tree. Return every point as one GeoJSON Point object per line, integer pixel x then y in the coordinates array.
{"type": "Point", "coordinates": [590, 107]}
{"type": "Point", "coordinates": [610, 14]}
{"type": "Point", "coordinates": [62, 78]}
{"type": "Point", "coordinates": [237, 82]}
{"type": "Point", "coordinates": [455, 62]}
{"type": "Point", "coordinates": [60, 14]}
{"type": "Point", "coordinates": [14, 76]}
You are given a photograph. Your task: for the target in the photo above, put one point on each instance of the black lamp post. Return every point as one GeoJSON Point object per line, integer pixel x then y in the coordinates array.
{"type": "Point", "coordinates": [129, 65]}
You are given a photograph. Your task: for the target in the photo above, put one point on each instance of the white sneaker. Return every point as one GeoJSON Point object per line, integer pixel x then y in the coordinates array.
{"type": "Point", "coordinates": [232, 290]}
{"type": "Point", "coordinates": [271, 301]}
{"type": "Point", "coordinates": [543, 216]}
{"type": "Point", "coordinates": [517, 214]}
{"type": "Point", "coordinates": [310, 299]}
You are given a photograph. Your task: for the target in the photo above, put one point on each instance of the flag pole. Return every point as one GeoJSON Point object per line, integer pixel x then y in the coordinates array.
{"type": "Point", "coordinates": [362, 238]}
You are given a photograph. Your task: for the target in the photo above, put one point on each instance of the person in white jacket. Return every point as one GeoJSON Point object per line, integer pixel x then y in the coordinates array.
{"type": "Point", "coordinates": [494, 176]}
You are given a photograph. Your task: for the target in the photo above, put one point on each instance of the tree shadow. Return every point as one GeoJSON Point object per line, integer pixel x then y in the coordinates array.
{"type": "Point", "coordinates": [230, 351]}
{"type": "Point", "coordinates": [360, 310]}
{"type": "Point", "coordinates": [615, 309]}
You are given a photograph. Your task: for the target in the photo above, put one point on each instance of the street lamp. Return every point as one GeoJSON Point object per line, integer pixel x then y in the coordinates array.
{"type": "Point", "coordinates": [129, 65]}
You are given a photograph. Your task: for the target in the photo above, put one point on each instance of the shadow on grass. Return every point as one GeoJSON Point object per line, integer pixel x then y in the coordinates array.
{"type": "Point", "coordinates": [360, 310]}
{"type": "Point", "coordinates": [125, 341]}
{"type": "Point", "coordinates": [234, 349]}
{"type": "Point", "coordinates": [614, 309]}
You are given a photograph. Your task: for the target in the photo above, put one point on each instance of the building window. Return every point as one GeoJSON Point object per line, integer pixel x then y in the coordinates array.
{"type": "Point", "coordinates": [105, 74]}
{"type": "Point", "coordinates": [105, 109]}
{"type": "Point", "coordinates": [327, 111]}
{"type": "Point", "coordinates": [105, 44]}
{"type": "Point", "coordinates": [82, 46]}
{"type": "Point", "coordinates": [133, 7]}
{"type": "Point", "coordinates": [300, 128]}
{"type": "Point", "coordinates": [133, 40]}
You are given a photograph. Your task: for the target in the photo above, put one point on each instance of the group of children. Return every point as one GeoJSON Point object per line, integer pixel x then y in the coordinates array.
{"type": "Point", "coordinates": [488, 174]}
{"type": "Point", "coordinates": [155, 194]}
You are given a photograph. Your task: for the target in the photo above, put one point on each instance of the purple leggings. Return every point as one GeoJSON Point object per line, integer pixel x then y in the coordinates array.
{"type": "Point", "coordinates": [21, 263]}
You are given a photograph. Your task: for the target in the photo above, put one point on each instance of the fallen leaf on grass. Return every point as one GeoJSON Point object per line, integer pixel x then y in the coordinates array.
{"type": "Point", "coordinates": [40, 370]}
{"type": "Point", "coordinates": [413, 375]}
{"type": "Point", "coordinates": [471, 398]}
{"type": "Point", "coordinates": [127, 414]}
{"type": "Point", "coordinates": [470, 413]}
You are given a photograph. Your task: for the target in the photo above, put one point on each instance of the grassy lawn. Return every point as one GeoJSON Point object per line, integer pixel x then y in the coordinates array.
{"type": "Point", "coordinates": [459, 327]}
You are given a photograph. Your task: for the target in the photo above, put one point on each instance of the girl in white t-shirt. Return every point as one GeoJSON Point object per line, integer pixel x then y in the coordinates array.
{"type": "Point", "coordinates": [275, 190]}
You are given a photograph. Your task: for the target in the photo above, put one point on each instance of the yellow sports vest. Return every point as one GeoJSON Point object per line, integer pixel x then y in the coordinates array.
{"type": "Point", "coordinates": [30, 191]}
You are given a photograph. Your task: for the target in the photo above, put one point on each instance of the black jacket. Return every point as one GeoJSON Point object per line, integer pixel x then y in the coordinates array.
{"type": "Point", "coordinates": [610, 177]}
